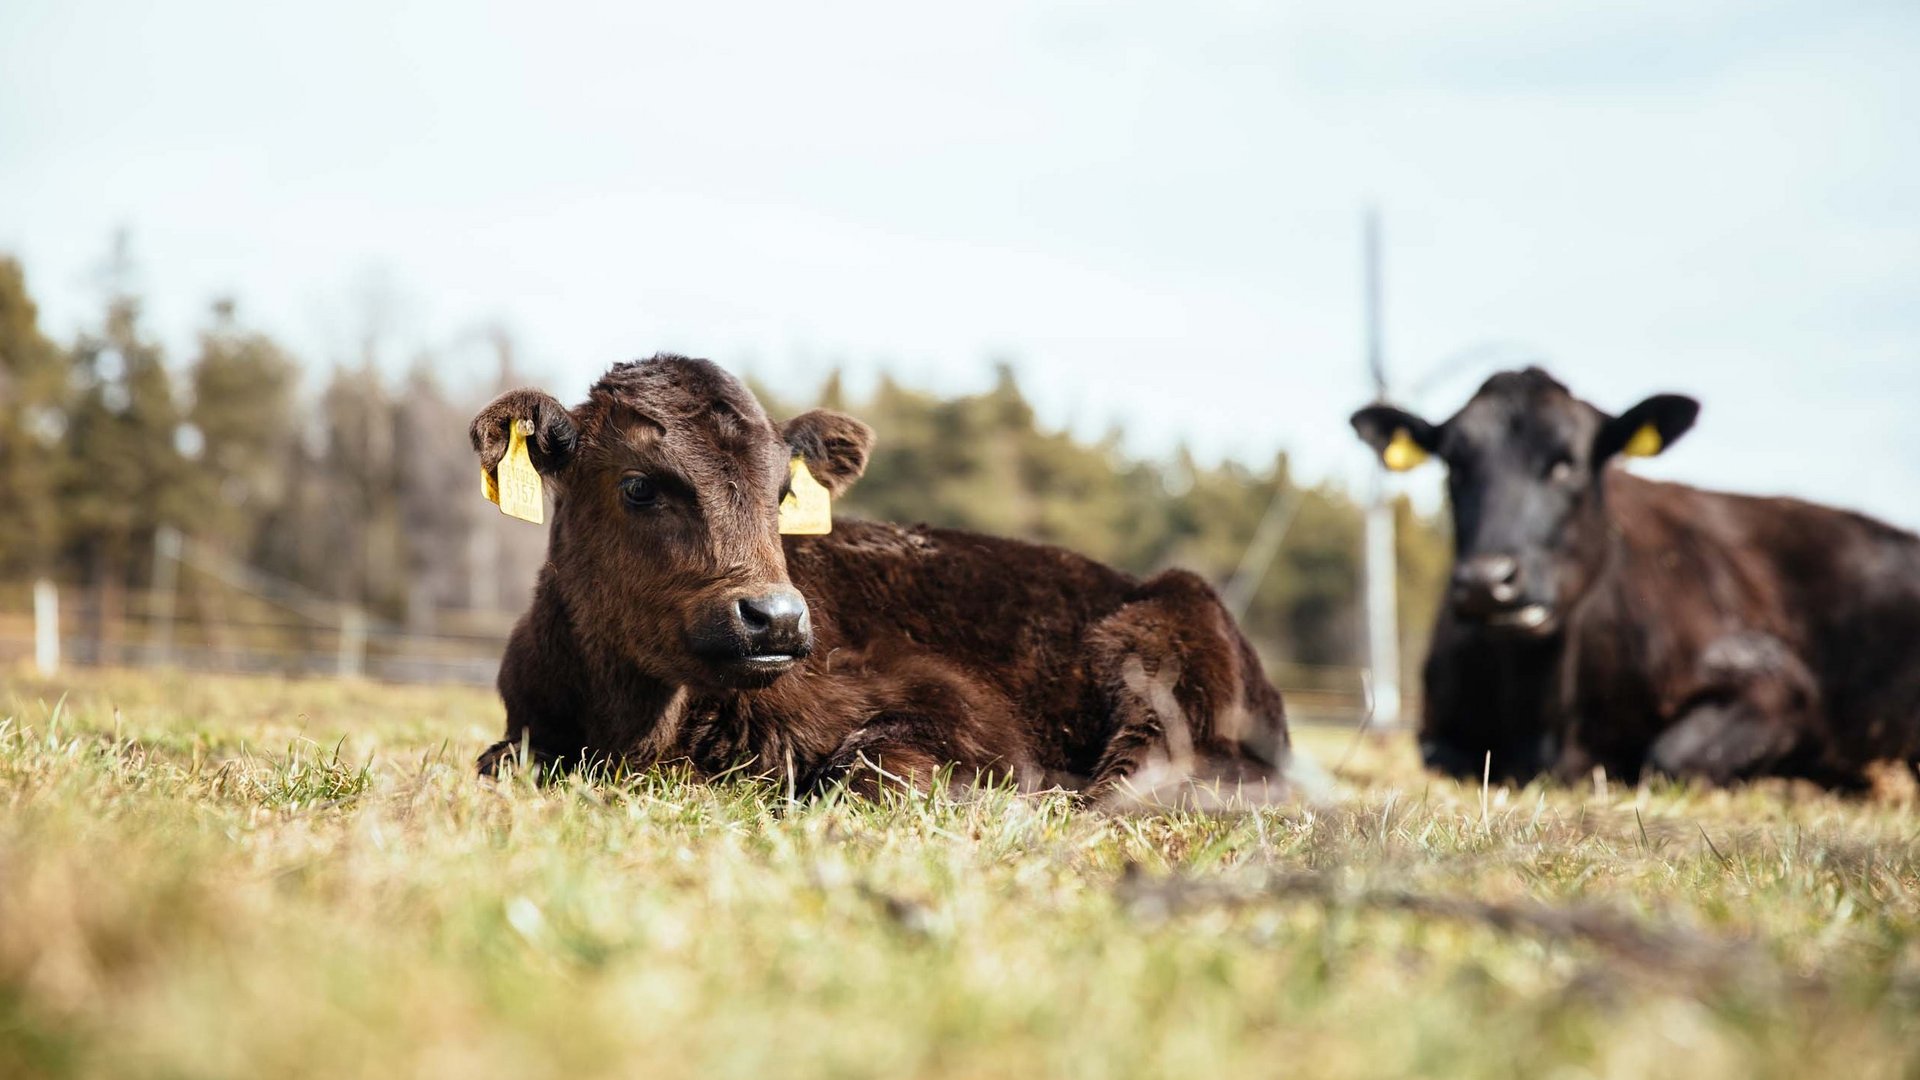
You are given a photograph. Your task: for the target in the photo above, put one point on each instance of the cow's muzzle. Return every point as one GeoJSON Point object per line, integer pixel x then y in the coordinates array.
{"type": "Point", "coordinates": [1491, 590]}
{"type": "Point", "coordinates": [750, 641]}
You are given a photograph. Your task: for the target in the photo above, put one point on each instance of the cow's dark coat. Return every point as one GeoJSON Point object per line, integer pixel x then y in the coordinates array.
{"type": "Point", "coordinates": [917, 649]}
{"type": "Point", "coordinates": [1600, 619]}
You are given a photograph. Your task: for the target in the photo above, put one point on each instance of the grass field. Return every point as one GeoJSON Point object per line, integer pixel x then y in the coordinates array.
{"type": "Point", "coordinates": [209, 877]}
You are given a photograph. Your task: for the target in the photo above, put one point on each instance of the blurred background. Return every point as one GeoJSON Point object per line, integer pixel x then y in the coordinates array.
{"type": "Point", "coordinates": [1095, 272]}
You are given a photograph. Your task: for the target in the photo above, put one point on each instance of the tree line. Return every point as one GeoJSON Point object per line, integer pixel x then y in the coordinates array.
{"type": "Point", "coordinates": [359, 487]}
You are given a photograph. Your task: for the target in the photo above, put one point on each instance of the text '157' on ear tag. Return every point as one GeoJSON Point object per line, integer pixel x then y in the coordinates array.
{"type": "Point", "coordinates": [808, 509]}
{"type": "Point", "coordinates": [1645, 443]}
{"type": "Point", "coordinates": [514, 485]}
{"type": "Point", "coordinates": [1402, 453]}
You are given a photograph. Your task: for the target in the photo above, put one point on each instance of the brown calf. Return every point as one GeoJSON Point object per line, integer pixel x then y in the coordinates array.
{"type": "Point", "coordinates": [673, 623]}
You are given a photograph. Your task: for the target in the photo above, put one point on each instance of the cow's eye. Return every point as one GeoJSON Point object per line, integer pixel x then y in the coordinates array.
{"type": "Point", "coordinates": [1561, 470]}
{"type": "Point", "coordinates": [638, 491]}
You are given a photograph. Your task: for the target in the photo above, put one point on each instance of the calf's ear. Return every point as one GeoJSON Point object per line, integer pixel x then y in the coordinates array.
{"type": "Point", "coordinates": [834, 446]}
{"type": "Point", "coordinates": [1402, 439]}
{"type": "Point", "coordinates": [1647, 428]}
{"type": "Point", "coordinates": [555, 435]}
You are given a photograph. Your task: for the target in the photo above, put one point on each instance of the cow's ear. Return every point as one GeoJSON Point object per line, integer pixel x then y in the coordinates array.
{"type": "Point", "coordinates": [834, 446]}
{"type": "Point", "coordinates": [1647, 428]}
{"type": "Point", "coordinates": [550, 446]}
{"type": "Point", "coordinates": [1402, 439]}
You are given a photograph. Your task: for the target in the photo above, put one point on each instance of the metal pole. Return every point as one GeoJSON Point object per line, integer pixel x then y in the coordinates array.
{"type": "Point", "coordinates": [1383, 627]}
{"type": "Point", "coordinates": [1376, 345]}
{"type": "Point", "coordinates": [46, 628]}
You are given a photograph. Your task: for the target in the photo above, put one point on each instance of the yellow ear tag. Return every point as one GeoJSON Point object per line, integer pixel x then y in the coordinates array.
{"type": "Point", "coordinates": [1645, 442]}
{"type": "Point", "coordinates": [808, 509]}
{"type": "Point", "coordinates": [1402, 453]}
{"type": "Point", "coordinates": [514, 485]}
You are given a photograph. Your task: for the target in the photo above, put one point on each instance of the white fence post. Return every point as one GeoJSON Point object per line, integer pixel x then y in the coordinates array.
{"type": "Point", "coordinates": [1383, 621]}
{"type": "Point", "coordinates": [46, 628]}
{"type": "Point", "coordinates": [166, 583]}
{"type": "Point", "coordinates": [353, 643]}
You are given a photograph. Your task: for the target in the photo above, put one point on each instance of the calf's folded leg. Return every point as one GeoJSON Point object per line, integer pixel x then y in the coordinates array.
{"type": "Point", "coordinates": [912, 752]}
{"type": "Point", "coordinates": [1188, 699]}
{"type": "Point", "coordinates": [889, 752]}
{"type": "Point", "coordinates": [928, 717]}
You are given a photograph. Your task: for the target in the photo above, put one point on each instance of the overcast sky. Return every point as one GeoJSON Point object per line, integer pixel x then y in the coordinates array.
{"type": "Point", "coordinates": [1154, 207]}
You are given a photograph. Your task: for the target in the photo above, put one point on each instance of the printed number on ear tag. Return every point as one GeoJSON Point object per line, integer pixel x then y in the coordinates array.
{"type": "Point", "coordinates": [514, 485]}
{"type": "Point", "coordinates": [1402, 453]}
{"type": "Point", "coordinates": [1645, 443]}
{"type": "Point", "coordinates": [807, 510]}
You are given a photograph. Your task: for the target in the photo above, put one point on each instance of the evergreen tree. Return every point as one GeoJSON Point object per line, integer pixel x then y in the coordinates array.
{"type": "Point", "coordinates": [244, 414]}
{"type": "Point", "coordinates": [126, 475]}
{"type": "Point", "coordinates": [33, 419]}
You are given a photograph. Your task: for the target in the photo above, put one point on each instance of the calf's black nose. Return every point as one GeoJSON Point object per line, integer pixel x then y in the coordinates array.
{"type": "Point", "coordinates": [774, 623]}
{"type": "Point", "coordinates": [1484, 584]}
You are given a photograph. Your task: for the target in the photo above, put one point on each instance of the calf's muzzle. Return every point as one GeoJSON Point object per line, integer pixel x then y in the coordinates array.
{"type": "Point", "coordinates": [755, 637]}
{"type": "Point", "coordinates": [774, 623]}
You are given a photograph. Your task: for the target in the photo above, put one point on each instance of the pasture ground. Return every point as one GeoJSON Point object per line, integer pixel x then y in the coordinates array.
{"type": "Point", "coordinates": [219, 877]}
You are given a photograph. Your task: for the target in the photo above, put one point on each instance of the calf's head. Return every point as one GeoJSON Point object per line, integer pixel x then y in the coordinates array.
{"type": "Point", "coordinates": [1525, 460]}
{"type": "Point", "coordinates": [665, 543]}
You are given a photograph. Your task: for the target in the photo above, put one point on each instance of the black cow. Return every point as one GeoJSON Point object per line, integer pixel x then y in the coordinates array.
{"type": "Point", "coordinates": [1599, 619]}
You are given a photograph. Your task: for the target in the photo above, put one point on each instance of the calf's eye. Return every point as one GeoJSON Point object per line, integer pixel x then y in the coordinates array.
{"type": "Point", "coordinates": [638, 491]}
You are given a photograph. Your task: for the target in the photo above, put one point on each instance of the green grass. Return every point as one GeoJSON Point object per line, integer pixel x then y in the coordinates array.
{"type": "Point", "coordinates": [206, 877]}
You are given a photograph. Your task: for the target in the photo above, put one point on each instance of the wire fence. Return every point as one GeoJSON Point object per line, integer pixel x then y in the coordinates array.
{"type": "Point", "coordinates": [254, 646]}
{"type": "Point", "coordinates": [152, 629]}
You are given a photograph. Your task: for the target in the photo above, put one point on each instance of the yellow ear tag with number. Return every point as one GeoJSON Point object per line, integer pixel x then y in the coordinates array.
{"type": "Point", "coordinates": [1402, 453]}
{"type": "Point", "coordinates": [1645, 442]}
{"type": "Point", "coordinates": [514, 485]}
{"type": "Point", "coordinates": [808, 509]}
